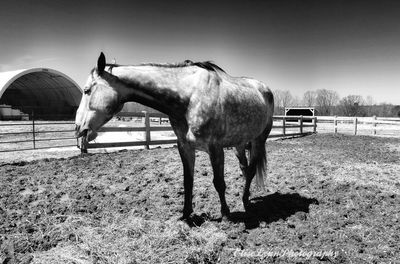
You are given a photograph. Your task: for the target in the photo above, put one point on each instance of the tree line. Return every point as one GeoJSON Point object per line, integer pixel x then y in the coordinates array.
{"type": "Point", "coordinates": [328, 103]}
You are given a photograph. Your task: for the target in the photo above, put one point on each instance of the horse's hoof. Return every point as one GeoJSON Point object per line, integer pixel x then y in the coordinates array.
{"type": "Point", "coordinates": [225, 218]}
{"type": "Point", "coordinates": [226, 222]}
{"type": "Point", "coordinates": [248, 208]}
{"type": "Point", "coordinates": [184, 217]}
{"type": "Point", "coordinates": [193, 220]}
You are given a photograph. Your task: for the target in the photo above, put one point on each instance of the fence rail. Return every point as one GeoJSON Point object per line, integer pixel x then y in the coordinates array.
{"type": "Point", "coordinates": [360, 125]}
{"type": "Point", "coordinates": [38, 134]}
{"type": "Point", "coordinates": [33, 134]}
{"type": "Point", "coordinates": [284, 128]}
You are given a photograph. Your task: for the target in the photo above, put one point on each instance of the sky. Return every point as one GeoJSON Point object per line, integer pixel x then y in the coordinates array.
{"type": "Point", "coordinates": [352, 47]}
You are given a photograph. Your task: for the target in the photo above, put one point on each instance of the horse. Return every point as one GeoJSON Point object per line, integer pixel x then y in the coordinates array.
{"type": "Point", "coordinates": [209, 110]}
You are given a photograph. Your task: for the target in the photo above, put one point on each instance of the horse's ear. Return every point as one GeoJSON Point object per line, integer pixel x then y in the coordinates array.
{"type": "Point", "coordinates": [101, 63]}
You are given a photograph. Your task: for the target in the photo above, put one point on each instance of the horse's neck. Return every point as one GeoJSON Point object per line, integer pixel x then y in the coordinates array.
{"type": "Point", "coordinates": [155, 87]}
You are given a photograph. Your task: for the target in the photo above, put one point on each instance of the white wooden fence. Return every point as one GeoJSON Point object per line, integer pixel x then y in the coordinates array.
{"type": "Point", "coordinates": [282, 127]}
{"type": "Point", "coordinates": [26, 135]}
{"type": "Point", "coordinates": [290, 126]}
{"type": "Point", "coordinates": [359, 125]}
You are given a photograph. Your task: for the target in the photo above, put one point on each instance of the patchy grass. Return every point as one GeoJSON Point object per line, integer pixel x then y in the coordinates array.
{"type": "Point", "coordinates": [130, 239]}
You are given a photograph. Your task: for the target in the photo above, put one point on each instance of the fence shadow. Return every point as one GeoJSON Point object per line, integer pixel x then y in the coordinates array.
{"type": "Point", "coordinates": [273, 207]}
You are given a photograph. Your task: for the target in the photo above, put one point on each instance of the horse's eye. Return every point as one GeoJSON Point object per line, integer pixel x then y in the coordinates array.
{"type": "Point", "coordinates": [86, 91]}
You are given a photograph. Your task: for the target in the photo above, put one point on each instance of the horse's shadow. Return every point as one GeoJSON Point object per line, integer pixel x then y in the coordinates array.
{"type": "Point", "coordinates": [273, 207]}
{"type": "Point", "coordinates": [268, 209]}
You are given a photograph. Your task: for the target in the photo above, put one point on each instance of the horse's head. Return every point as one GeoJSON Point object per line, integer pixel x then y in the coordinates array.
{"type": "Point", "coordinates": [100, 102]}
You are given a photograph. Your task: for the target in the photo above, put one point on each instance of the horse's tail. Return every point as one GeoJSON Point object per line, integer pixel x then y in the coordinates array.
{"type": "Point", "coordinates": [261, 164]}
{"type": "Point", "coordinates": [259, 153]}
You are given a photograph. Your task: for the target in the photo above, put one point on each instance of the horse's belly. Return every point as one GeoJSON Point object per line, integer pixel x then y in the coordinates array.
{"type": "Point", "coordinates": [241, 134]}
{"type": "Point", "coordinates": [225, 134]}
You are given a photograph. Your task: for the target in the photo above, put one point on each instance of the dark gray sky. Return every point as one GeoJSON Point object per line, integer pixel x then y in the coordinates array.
{"type": "Point", "coordinates": [348, 46]}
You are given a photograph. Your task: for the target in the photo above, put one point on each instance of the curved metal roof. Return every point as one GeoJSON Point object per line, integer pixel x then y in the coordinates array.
{"type": "Point", "coordinates": [47, 91]}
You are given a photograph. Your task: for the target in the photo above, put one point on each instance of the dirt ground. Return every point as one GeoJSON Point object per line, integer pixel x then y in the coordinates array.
{"type": "Point", "coordinates": [329, 199]}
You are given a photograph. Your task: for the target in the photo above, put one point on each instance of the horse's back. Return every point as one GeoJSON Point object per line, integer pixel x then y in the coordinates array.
{"type": "Point", "coordinates": [250, 93]}
{"type": "Point", "coordinates": [237, 112]}
{"type": "Point", "coordinates": [260, 87]}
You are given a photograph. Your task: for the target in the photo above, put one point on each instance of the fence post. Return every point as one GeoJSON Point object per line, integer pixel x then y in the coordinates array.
{"type": "Point", "coordinates": [374, 125]}
{"type": "Point", "coordinates": [315, 124]}
{"type": "Point", "coordinates": [284, 126]}
{"type": "Point", "coordinates": [33, 129]}
{"type": "Point", "coordinates": [301, 124]}
{"type": "Point", "coordinates": [147, 125]}
{"type": "Point", "coordinates": [355, 125]}
{"type": "Point", "coordinates": [335, 124]}
{"type": "Point", "coordinates": [83, 145]}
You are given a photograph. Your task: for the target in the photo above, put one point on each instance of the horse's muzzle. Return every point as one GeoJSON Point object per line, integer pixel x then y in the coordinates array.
{"type": "Point", "coordinates": [88, 134]}
{"type": "Point", "coordinates": [80, 133]}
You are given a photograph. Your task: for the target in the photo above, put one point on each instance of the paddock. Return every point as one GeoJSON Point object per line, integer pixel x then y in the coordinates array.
{"type": "Point", "coordinates": [329, 198]}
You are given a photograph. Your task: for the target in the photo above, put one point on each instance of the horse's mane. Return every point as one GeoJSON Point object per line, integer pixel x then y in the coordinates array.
{"type": "Point", "coordinates": [208, 65]}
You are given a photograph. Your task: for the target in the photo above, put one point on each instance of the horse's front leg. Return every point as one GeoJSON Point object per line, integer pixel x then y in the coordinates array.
{"type": "Point", "coordinates": [187, 153]}
{"type": "Point", "coordinates": [217, 162]}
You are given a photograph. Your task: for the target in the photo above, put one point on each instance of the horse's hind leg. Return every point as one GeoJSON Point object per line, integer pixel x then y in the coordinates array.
{"type": "Point", "coordinates": [256, 158]}
{"type": "Point", "coordinates": [240, 153]}
{"type": "Point", "coordinates": [251, 171]}
{"type": "Point", "coordinates": [248, 171]}
{"type": "Point", "coordinates": [217, 163]}
{"type": "Point", "coordinates": [187, 154]}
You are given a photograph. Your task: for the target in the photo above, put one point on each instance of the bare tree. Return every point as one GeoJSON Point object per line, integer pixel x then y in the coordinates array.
{"type": "Point", "coordinates": [370, 101]}
{"type": "Point", "coordinates": [282, 98]}
{"type": "Point", "coordinates": [309, 98]}
{"type": "Point", "coordinates": [396, 111]}
{"type": "Point", "coordinates": [287, 98]}
{"type": "Point", "coordinates": [351, 105]}
{"type": "Point", "coordinates": [325, 100]}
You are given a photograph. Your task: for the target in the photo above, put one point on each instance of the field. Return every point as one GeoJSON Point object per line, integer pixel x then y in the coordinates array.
{"type": "Point", "coordinates": [329, 199]}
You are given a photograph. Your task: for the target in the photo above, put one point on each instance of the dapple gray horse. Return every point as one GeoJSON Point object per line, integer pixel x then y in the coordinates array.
{"type": "Point", "coordinates": [208, 110]}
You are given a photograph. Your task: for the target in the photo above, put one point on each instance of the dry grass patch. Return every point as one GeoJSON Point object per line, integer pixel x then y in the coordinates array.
{"type": "Point", "coordinates": [130, 239]}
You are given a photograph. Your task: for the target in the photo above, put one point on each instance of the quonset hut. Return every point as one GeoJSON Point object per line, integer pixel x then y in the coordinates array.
{"type": "Point", "coordinates": [46, 93]}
